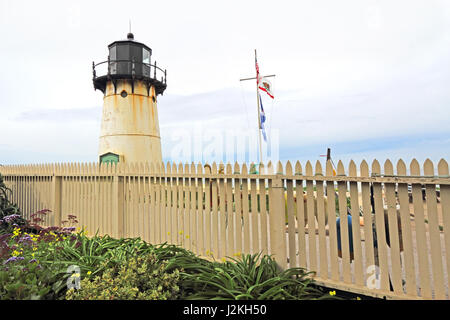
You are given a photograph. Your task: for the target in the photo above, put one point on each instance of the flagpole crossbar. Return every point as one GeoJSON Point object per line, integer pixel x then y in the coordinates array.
{"type": "Point", "coordinates": [272, 75]}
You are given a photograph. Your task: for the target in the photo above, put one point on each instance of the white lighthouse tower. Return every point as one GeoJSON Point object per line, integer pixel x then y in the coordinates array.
{"type": "Point", "coordinates": [130, 84]}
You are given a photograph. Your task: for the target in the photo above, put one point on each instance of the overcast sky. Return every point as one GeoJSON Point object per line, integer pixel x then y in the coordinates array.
{"type": "Point", "coordinates": [370, 79]}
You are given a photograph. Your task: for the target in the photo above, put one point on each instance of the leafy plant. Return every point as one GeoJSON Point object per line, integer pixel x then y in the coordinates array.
{"type": "Point", "coordinates": [25, 279]}
{"type": "Point", "coordinates": [249, 278]}
{"type": "Point", "coordinates": [141, 278]}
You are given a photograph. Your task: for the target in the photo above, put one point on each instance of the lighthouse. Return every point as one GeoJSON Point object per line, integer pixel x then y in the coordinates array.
{"type": "Point", "coordinates": [130, 83]}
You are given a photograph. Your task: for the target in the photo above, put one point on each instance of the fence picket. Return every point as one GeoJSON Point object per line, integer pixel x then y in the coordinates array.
{"type": "Point", "coordinates": [393, 230]}
{"type": "Point", "coordinates": [222, 212]}
{"type": "Point", "coordinates": [434, 233]}
{"type": "Point", "coordinates": [410, 273]}
{"type": "Point", "coordinates": [146, 201]}
{"type": "Point", "coordinates": [215, 213]}
{"type": "Point", "coordinates": [208, 210]}
{"type": "Point", "coordinates": [301, 217]}
{"type": "Point", "coordinates": [231, 251]}
{"type": "Point", "coordinates": [102, 194]}
{"type": "Point", "coordinates": [181, 203]}
{"type": "Point", "coordinates": [158, 205]}
{"type": "Point", "coordinates": [200, 213]}
{"type": "Point", "coordinates": [368, 216]}
{"type": "Point", "coordinates": [347, 252]}
{"type": "Point", "coordinates": [263, 211]}
{"type": "Point", "coordinates": [77, 195]}
{"type": "Point", "coordinates": [421, 240]}
{"type": "Point", "coordinates": [169, 204]}
{"type": "Point", "coordinates": [133, 215]}
{"type": "Point", "coordinates": [152, 195]}
{"type": "Point", "coordinates": [290, 216]}
{"type": "Point", "coordinates": [245, 210]}
{"type": "Point", "coordinates": [381, 258]}
{"type": "Point", "coordinates": [141, 214]}
{"type": "Point", "coordinates": [89, 199]}
{"type": "Point", "coordinates": [193, 216]}
{"type": "Point", "coordinates": [331, 212]}
{"type": "Point", "coordinates": [254, 214]}
{"type": "Point", "coordinates": [164, 203]}
{"type": "Point", "coordinates": [84, 191]}
{"type": "Point", "coordinates": [356, 231]}
{"type": "Point", "coordinates": [174, 230]}
{"type": "Point", "coordinates": [445, 205]}
{"type": "Point", "coordinates": [238, 210]}
{"type": "Point", "coordinates": [97, 197]}
{"type": "Point", "coordinates": [322, 222]}
{"type": "Point", "coordinates": [310, 205]}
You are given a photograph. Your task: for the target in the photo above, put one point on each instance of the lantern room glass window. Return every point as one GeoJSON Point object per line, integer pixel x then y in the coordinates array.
{"type": "Point", "coordinates": [123, 59]}
{"type": "Point", "coordinates": [113, 57]}
{"type": "Point", "coordinates": [145, 56]}
{"type": "Point", "coordinates": [146, 62]}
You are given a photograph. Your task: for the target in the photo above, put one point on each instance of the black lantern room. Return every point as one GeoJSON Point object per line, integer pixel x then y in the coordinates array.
{"type": "Point", "coordinates": [129, 59]}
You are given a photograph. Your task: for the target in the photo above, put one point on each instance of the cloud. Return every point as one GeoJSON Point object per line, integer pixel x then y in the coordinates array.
{"type": "Point", "coordinates": [368, 78]}
{"type": "Point", "coordinates": [65, 115]}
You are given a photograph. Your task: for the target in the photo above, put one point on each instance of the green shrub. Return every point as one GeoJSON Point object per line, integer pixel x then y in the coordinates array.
{"type": "Point", "coordinates": [24, 279]}
{"type": "Point", "coordinates": [29, 268]}
{"type": "Point", "coordinates": [250, 278]}
{"type": "Point", "coordinates": [140, 278]}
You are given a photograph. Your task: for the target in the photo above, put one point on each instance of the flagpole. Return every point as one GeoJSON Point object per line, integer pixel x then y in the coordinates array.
{"type": "Point", "coordinates": [259, 117]}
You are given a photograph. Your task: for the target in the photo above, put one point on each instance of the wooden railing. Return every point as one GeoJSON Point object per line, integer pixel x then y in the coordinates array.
{"type": "Point", "coordinates": [397, 245]}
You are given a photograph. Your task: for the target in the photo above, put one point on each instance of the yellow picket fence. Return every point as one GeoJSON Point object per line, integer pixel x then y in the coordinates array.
{"type": "Point", "coordinates": [397, 244]}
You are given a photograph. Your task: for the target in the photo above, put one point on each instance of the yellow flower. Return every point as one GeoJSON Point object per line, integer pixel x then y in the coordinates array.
{"type": "Point", "coordinates": [35, 248]}
{"type": "Point", "coordinates": [181, 232]}
{"type": "Point", "coordinates": [16, 253]}
{"type": "Point", "coordinates": [187, 236]}
{"type": "Point", "coordinates": [16, 232]}
{"type": "Point", "coordinates": [168, 233]}
{"type": "Point", "coordinates": [237, 254]}
{"type": "Point", "coordinates": [358, 298]}
{"type": "Point", "coordinates": [89, 273]}
{"type": "Point", "coordinates": [332, 293]}
{"type": "Point", "coordinates": [32, 254]}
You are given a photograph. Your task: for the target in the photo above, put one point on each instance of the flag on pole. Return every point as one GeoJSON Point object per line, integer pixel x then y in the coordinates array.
{"type": "Point", "coordinates": [263, 84]}
{"type": "Point", "coordinates": [266, 86]}
{"type": "Point", "coordinates": [262, 119]}
{"type": "Point", "coordinates": [257, 69]}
